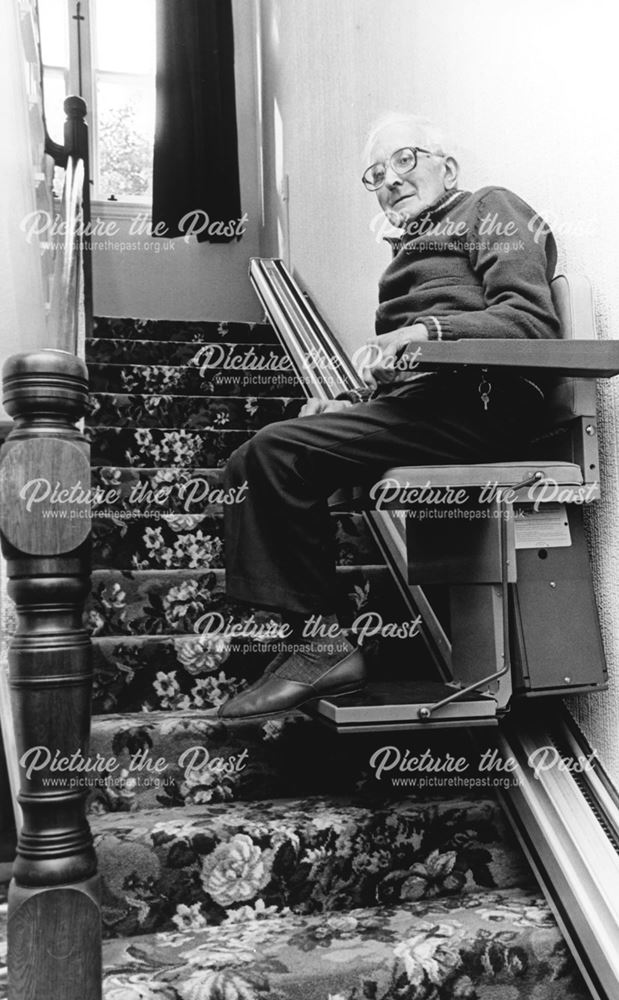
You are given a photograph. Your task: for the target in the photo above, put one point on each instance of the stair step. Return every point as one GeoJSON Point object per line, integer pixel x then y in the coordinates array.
{"type": "Point", "coordinates": [313, 855]}
{"type": "Point", "coordinates": [262, 759]}
{"type": "Point", "coordinates": [504, 944]}
{"type": "Point", "coordinates": [285, 757]}
{"type": "Point", "coordinates": [183, 380]}
{"type": "Point", "coordinates": [190, 412]}
{"type": "Point", "coordinates": [162, 602]}
{"type": "Point", "coordinates": [229, 355]}
{"type": "Point", "coordinates": [204, 331]}
{"type": "Point", "coordinates": [171, 447]}
{"type": "Point", "coordinates": [149, 539]}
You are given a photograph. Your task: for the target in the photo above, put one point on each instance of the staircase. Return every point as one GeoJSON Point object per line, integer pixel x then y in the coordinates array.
{"type": "Point", "coordinates": [246, 860]}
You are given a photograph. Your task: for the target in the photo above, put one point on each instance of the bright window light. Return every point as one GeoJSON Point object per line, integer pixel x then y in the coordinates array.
{"type": "Point", "coordinates": [114, 57]}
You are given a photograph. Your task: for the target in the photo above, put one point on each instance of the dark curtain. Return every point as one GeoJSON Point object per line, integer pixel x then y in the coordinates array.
{"type": "Point", "coordinates": [196, 152]}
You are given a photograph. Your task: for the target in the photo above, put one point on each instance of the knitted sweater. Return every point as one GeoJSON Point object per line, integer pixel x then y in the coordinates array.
{"type": "Point", "coordinates": [477, 264]}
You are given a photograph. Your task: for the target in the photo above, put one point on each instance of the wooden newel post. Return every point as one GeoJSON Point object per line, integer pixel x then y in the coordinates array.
{"type": "Point", "coordinates": [75, 128]}
{"type": "Point", "coordinates": [54, 932]}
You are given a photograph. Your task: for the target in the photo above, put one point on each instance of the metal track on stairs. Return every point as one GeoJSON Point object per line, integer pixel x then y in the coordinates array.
{"type": "Point", "coordinates": [565, 810]}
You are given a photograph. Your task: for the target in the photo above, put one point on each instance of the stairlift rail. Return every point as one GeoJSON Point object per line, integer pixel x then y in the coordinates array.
{"type": "Point", "coordinates": [325, 371]}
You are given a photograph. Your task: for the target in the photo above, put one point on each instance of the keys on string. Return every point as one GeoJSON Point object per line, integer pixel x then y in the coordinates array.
{"type": "Point", "coordinates": [484, 389]}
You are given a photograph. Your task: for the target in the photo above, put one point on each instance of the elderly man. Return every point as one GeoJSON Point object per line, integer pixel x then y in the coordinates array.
{"type": "Point", "coordinates": [466, 265]}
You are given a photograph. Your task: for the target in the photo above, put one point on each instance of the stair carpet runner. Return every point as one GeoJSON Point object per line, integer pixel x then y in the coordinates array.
{"type": "Point", "coordinates": [269, 859]}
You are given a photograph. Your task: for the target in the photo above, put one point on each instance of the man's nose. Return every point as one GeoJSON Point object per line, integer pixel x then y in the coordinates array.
{"type": "Point", "coordinates": [391, 177]}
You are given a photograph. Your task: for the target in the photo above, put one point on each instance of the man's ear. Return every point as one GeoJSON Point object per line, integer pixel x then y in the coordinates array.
{"type": "Point", "coordinates": [450, 172]}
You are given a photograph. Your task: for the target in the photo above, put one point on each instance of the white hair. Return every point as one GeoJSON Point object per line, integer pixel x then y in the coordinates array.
{"type": "Point", "coordinates": [422, 130]}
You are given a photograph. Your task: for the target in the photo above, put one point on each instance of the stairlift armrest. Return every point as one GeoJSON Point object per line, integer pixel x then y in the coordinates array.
{"type": "Point", "coordinates": [576, 359]}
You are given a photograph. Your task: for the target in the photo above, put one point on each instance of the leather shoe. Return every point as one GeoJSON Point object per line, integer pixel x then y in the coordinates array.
{"type": "Point", "coordinates": [277, 695]}
{"type": "Point", "coordinates": [271, 667]}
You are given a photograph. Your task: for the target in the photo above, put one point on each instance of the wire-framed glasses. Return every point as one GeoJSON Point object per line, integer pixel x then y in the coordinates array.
{"type": "Point", "coordinates": [402, 162]}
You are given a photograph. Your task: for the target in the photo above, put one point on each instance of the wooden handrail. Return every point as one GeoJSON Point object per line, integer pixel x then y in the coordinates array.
{"type": "Point", "coordinates": [54, 931]}
{"type": "Point", "coordinates": [70, 320]}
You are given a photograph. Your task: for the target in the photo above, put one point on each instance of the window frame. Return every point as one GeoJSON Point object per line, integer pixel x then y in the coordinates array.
{"type": "Point", "coordinates": [82, 79]}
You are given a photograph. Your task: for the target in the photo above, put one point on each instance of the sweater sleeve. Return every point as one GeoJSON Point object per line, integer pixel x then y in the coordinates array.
{"type": "Point", "coordinates": [514, 270]}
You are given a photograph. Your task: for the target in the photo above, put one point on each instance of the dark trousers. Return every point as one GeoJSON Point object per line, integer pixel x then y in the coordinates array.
{"type": "Point", "coordinates": [279, 542]}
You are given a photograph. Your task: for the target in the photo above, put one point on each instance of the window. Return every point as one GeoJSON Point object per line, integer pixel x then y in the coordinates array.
{"type": "Point", "coordinates": [105, 51]}
{"type": "Point", "coordinates": [54, 29]}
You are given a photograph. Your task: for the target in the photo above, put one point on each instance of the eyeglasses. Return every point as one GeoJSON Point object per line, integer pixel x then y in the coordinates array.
{"type": "Point", "coordinates": [402, 162]}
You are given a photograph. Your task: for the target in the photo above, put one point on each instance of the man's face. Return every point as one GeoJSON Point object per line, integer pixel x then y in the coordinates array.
{"type": "Point", "coordinates": [405, 198]}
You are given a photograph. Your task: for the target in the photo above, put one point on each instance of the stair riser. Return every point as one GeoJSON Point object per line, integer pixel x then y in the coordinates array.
{"type": "Point", "coordinates": [167, 380]}
{"type": "Point", "coordinates": [198, 332]}
{"type": "Point", "coordinates": [189, 412]}
{"type": "Point", "coordinates": [228, 355]}
{"type": "Point", "coordinates": [174, 448]}
{"type": "Point", "coordinates": [190, 541]}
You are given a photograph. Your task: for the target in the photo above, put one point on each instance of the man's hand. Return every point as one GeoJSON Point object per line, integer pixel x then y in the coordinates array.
{"type": "Point", "coordinates": [376, 360]}
{"type": "Point", "coordinates": [314, 406]}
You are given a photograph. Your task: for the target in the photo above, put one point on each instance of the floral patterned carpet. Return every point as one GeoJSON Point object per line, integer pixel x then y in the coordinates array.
{"type": "Point", "coordinates": [485, 946]}
{"type": "Point", "coordinates": [263, 860]}
{"type": "Point", "coordinates": [157, 454]}
{"type": "Point", "coordinates": [318, 855]}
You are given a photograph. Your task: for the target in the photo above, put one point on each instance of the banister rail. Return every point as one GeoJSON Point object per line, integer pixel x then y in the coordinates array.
{"type": "Point", "coordinates": [65, 325]}
{"type": "Point", "coordinates": [70, 318]}
{"type": "Point", "coordinates": [54, 927]}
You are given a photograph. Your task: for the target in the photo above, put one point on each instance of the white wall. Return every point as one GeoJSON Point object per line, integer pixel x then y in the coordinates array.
{"type": "Point", "coordinates": [528, 91]}
{"type": "Point", "coordinates": [191, 280]}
